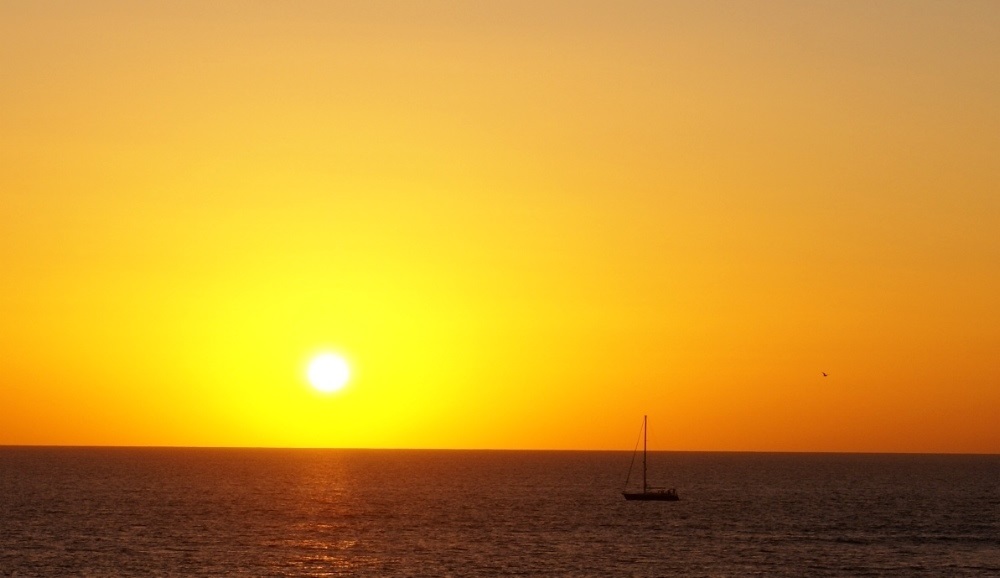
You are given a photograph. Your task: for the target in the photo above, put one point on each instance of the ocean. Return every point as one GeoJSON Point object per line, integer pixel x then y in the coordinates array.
{"type": "Point", "coordinates": [283, 512]}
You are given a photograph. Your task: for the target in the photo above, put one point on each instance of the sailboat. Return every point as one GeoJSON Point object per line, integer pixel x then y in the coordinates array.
{"type": "Point", "coordinates": [648, 492]}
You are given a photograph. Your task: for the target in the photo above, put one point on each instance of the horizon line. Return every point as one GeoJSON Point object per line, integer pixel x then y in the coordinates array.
{"type": "Point", "coordinates": [437, 449]}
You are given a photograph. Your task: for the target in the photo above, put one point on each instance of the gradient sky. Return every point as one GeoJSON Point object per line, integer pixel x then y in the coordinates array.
{"type": "Point", "coordinates": [525, 224]}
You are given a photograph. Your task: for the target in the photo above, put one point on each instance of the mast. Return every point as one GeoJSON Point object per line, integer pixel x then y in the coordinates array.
{"type": "Point", "coordinates": [644, 433]}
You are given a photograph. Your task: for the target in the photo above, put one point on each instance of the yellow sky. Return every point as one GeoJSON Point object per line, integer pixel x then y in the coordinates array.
{"type": "Point", "coordinates": [524, 224]}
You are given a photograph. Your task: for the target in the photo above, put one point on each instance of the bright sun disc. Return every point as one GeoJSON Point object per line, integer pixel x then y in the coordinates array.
{"type": "Point", "coordinates": [328, 372]}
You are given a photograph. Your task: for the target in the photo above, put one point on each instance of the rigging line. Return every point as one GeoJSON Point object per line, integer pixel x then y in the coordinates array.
{"type": "Point", "coordinates": [634, 450]}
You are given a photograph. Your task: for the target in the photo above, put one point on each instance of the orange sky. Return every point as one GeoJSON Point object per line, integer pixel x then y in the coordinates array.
{"type": "Point", "coordinates": [525, 224]}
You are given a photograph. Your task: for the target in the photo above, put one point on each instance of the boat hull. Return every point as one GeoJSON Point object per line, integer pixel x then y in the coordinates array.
{"type": "Point", "coordinates": [663, 496]}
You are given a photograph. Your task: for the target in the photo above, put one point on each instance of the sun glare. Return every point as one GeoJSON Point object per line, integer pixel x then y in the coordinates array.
{"type": "Point", "coordinates": [328, 372]}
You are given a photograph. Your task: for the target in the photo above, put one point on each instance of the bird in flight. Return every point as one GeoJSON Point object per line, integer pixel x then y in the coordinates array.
{"type": "Point", "coordinates": [824, 373]}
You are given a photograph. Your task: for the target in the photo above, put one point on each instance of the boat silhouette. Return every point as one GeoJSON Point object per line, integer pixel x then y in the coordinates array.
{"type": "Point", "coordinates": [648, 492]}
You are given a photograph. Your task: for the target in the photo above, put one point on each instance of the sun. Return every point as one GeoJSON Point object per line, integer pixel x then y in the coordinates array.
{"type": "Point", "coordinates": [328, 372]}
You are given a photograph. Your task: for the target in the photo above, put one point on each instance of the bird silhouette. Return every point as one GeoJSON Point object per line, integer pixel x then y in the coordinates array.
{"type": "Point", "coordinates": [824, 373]}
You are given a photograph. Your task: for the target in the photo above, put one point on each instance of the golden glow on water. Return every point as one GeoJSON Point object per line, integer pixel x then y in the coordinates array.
{"type": "Point", "coordinates": [293, 512]}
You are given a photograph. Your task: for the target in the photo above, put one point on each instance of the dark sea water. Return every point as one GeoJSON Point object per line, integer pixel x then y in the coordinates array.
{"type": "Point", "coordinates": [256, 512]}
